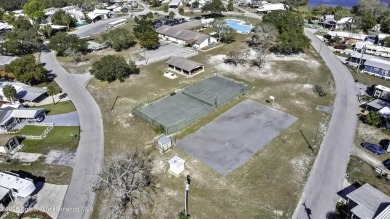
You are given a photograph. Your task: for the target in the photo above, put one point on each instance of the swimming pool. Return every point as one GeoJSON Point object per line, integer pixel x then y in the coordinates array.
{"type": "Point", "coordinates": [238, 26]}
{"type": "Point", "coordinates": [81, 23]}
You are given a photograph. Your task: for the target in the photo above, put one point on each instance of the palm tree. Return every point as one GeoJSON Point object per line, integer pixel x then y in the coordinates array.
{"type": "Point", "coordinates": [51, 91]}
{"type": "Point", "coordinates": [9, 92]}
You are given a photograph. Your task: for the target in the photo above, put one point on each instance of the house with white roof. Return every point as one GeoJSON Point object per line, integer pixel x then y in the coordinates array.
{"type": "Point", "coordinates": [344, 22]}
{"type": "Point", "coordinates": [23, 91]}
{"type": "Point", "coordinates": [367, 202]}
{"type": "Point", "coordinates": [4, 27]}
{"type": "Point", "coordinates": [264, 8]}
{"type": "Point", "coordinates": [99, 14]}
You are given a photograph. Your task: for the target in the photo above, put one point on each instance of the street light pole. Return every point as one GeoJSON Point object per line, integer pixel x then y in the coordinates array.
{"type": "Point", "coordinates": [188, 180]}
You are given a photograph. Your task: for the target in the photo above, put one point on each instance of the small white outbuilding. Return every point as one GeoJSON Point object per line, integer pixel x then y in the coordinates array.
{"type": "Point", "coordinates": [163, 144]}
{"type": "Point", "coordinates": [176, 165]}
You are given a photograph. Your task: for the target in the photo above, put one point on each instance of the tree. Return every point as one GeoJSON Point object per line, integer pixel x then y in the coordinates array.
{"type": "Point", "coordinates": [228, 35]}
{"type": "Point", "coordinates": [230, 6]}
{"type": "Point", "coordinates": [1, 13]}
{"type": "Point", "coordinates": [146, 34]}
{"type": "Point", "coordinates": [150, 15]}
{"type": "Point", "coordinates": [290, 27]}
{"type": "Point", "coordinates": [46, 31]}
{"type": "Point", "coordinates": [218, 25]}
{"type": "Point", "coordinates": [51, 91]}
{"type": "Point", "coordinates": [195, 4]}
{"type": "Point", "coordinates": [65, 43]}
{"type": "Point", "coordinates": [366, 21]}
{"type": "Point", "coordinates": [26, 70]}
{"type": "Point", "coordinates": [20, 42]}
{"type": "Point", "coordinates": [171, 14]}
{"type": "Point", "coordinates": [181, 10]}
{"type": "Point", "coordinates": [238, 55]}
{"type": "Point", "coordinates": [127, 182]}
{"type": "Point", "coordinates": [386, 41]}
{"type": "Point", "coordinates": [9, 92]}
{"type": "Point", "coordinates": [264, 36]}
{"type": "Point", "coordinates": [34, 9]}
{"type": "Point", "coordinates": [62, 18]}
{"type": "Point", "coordinates": [215, 7]}
{"type": "Point", "coordinates": [372, 118]}
{"type": "Point", "coordinates": [385, 25]}
{"type": "Point", "coordinates": [113, 67]}
{"type": "Point", "coordinates": [119, 39]}
{"type": "Point", "coordinates": [259, 59]}
{"type": "Point", "coordinates": [166, 7]}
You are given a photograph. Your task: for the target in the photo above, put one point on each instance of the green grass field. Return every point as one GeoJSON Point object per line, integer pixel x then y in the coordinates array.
{"type": "Point", "coordinates": [32, 130]}
{"type": "Point", "coordinates": [58, 139]}
{"type": "Point", "coordinates": [361, 172]}
{"type": "Point", "coordinates": [59, 108]}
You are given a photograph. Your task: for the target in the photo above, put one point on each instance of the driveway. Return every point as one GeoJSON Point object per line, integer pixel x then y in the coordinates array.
{"type": "Point", "coordinates": [66, 119]}
{"type": "Point", "coordinates": [326, 177]}
{"type": "Point", "coordinates": [91, 145]}
{"type": "Point", "coordinates": [49, 199]}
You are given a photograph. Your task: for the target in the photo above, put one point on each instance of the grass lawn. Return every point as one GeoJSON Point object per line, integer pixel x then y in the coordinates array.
{"type": "Point", "coordinates": [58, 139]}
{"type": "Point", "coordinates": [361, 172]}
{"type": "Point", "coordinates": [60, 175]}
{"type": "Point", "coordinates": [32, 130]}
{"type": "Point", "coordinates": [269, 185]}
{"type": "Point", "coordinates": [50, 83]}
{"type": "Point", "coordinates": [367, 79]}
{"type": "Point", "coordinates": [59, 108]}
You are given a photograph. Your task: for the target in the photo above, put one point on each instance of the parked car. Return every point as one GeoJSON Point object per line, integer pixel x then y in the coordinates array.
{"type": "Point", "coordinates": [376, 149]}
{"type": "Point", "coordinates": [387, 163]}
{"type": "Point", "coordinates": [341, 46]}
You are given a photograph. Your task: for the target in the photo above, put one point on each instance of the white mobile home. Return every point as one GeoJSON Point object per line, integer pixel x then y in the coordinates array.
{"type": "Point", "coordinates": [19, 187]}
{"type": "Point", "coordinates": [272, 7]}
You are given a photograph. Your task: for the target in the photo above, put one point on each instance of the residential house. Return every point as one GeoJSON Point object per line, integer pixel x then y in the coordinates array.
{"type": "Point", "coordinates": [184, 66]}
{"type": "Point", "coordinates": [377, 67]}
{"type": "Point", "coordinates": [344, 22]}
{"type": "Point", "coordinates": [367, 202]}
{"type": "Point", "coordinates": [264, 8]}
{"type": "Point", "coordinates": [5, 27]}
{"type": "Point", "coordinates": [9, 117]}
{"type": "Point", "coordinates": [382, 92]}
{"type": "Point", "coordinates": [24, 92]}
{"type": "Point", "coordinates": [348, 37]}
{"type": "Point", "coordinates": [98, 14]}
{"type": "Point", "coordinates": [175, 3]}
{"type": "Point", "coordinates": [376, 105]}
{"type": "Point", "coordinates": [8, 144]}
{"type": "Point", "coordinates": [75, 12]}
{"type": "Point", "coordinates": [328, 21]}
{"type": "Point", "coordinates": [183, 34]}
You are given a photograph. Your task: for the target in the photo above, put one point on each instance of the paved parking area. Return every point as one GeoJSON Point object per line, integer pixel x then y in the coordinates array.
{"type": "Point", "coordinates": [63, 158]}
{"type": "Point", "coordinates": [165, 52]}
{"type": "Point", "coordinates": [66, 119]}
{"type": "Point", "coordinates": [49, 198]}
{"type": "Point", "coordinates": [231, 139]}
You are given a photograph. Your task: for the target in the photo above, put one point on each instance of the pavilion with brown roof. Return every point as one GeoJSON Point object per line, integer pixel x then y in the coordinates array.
{"type": "Point", "coordinates": [185, 66]}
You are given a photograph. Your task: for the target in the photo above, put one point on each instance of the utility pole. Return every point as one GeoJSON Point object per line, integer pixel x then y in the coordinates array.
{"type": "Point", "coordinates": [188, 180]}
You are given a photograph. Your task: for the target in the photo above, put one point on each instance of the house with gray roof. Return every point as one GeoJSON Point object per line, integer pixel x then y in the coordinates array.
{"type": "Point", "coordinates": [367, 202]}
{"type": "Point", "coordinates": [9, 117]}
{"type": "Point", "coordinates": [184, 36]}
{"type": "Point", "coordinates": [184, 66]}
{"type": "Point", "coordinates": [370, 64]}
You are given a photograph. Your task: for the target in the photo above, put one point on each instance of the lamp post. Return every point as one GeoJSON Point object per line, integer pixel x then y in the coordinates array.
{"type": "Point", "coordinates": [187, 188]}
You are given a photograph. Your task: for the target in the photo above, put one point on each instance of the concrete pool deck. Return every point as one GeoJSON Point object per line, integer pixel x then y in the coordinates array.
{"type": "Point", "coordinates": [234, 137]}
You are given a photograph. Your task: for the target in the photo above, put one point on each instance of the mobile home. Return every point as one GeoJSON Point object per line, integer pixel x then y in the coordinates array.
{"type": "Point", "coordinates": [19, 187]}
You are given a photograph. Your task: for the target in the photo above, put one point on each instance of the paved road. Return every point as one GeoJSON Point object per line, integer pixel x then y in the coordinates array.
{"type": "Point", "coordinates": [90, 150]}
{"type": "Point", "coordinates": [326, 177]}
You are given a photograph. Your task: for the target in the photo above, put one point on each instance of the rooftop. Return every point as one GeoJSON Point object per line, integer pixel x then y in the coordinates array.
{"type": "Point", "coordinates": [346, 35]}
{"type": "Point", "coordinates": [183, 63]}
{"type": "Point", "coordinates": [4, 60]}
{"type": "Point", "coordinates": [371, 202]}
{"type": "Point", "coordinates": [378, 63]}
{"type": "Point", "coordinates": [182, 34]}
{"type": "Point", "coordinates": [381, 87]}
{"type": "Point", "coordinates": [378, 104]}
{"type": "Point", "coordinates": [189, 25]}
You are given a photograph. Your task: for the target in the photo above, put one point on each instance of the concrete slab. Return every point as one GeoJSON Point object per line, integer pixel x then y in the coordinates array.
{"type": "Point", "coordinates": [231, 139]}
{"type": "Point", "coordinates": [48, 199]}
{"type": "Point", "coordinates": [63, 158]}
{"type": "Point", "coordinates": [25, 157]}
{"type": "Point", "coordinates": [165, 52]}
{"type": "Point", "coordinates": [66, 119]}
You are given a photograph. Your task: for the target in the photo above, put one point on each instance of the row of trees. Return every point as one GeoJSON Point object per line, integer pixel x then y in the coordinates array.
{"type": "Point", "coordinates": [11, 5]}
{"type": "Point", "coordinates": [145, 33]}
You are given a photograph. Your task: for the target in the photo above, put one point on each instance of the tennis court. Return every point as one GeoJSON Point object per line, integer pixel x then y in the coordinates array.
{"type": "Point", "coordinates": [177, 111]}
{"type": "Point", "coordinates": [230, 140]}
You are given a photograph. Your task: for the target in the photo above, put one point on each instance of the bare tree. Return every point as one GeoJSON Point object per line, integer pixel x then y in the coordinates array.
{"type": "Point", "coordinates": [264, 36]}
{"type": "Point", "coordinates": [127, 183]}
{"type": "Point", "coordinates": [238, 55]}
{"type": "Point", "coordinates": [259, 59]}
{"type": "Point", "coordinates": [219, 26]}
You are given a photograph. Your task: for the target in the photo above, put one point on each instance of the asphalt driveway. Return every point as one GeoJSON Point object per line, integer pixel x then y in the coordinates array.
{"type": "Point", "coordinates": [66, 119]}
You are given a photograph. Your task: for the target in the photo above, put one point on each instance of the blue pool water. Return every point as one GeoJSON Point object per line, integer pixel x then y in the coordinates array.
{"type": "Point", "coordinates": [236, 24]}
{"type": "Point", "coordinates": [81, 23]}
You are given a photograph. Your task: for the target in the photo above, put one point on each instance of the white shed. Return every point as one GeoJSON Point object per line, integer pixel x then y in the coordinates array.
{"type": "Point", "coordinates": [176, 165]}
{"type": "Point", "coordinates": [164, 143]}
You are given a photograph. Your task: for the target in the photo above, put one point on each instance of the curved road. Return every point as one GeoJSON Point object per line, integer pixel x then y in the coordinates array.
{"type": "Point", "coordinates": [79, 198]}
{"type": "Point", "coordinates": [326, 177]}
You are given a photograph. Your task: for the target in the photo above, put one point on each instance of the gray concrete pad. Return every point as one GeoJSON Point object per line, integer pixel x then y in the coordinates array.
{"type": "Point", "coordinates": [63, 158]}
{"type": "Point", "coordinates": [231, 139]}
{"type": "Point", "coordinates": [66, 119]}
{"type": "Point", "coordinates": [25, 157]}
{"type": "Point", "coordinates": [165, 52]}
{"type": "Point", "coordinates": [48, 199]}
